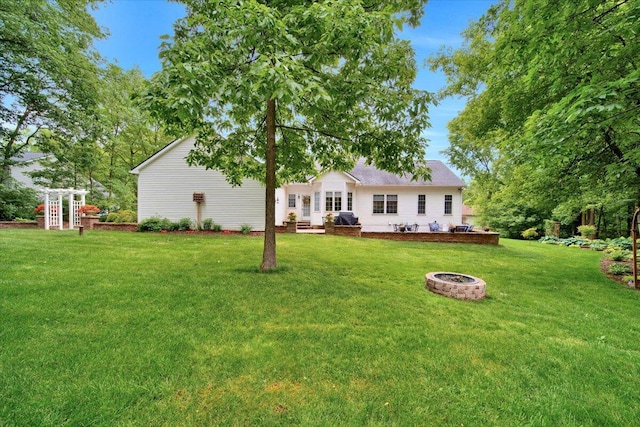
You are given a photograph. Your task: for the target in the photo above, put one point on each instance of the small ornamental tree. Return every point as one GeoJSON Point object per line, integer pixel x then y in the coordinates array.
{"type": "Point", "coordinates": [279, 90]}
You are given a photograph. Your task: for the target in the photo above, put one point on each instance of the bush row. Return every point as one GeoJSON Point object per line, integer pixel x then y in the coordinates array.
{"type": "Point", "coordinates": [185, 224]}
{"type": "Point", "coordinates": [619, 243]}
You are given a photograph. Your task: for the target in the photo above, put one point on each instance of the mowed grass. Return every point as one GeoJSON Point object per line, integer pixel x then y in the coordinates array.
{"type": "Point", "coordinates": [182, 330]}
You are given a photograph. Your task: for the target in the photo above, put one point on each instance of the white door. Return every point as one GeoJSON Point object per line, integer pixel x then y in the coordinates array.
{"type": "Point", "coordinates": [306, 207]}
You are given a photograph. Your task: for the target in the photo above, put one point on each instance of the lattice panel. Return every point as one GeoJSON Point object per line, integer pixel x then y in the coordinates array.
{"type": "Point", "coordinates": [76, 214]}
{"type": "Point", "coordinates": [55, 209]}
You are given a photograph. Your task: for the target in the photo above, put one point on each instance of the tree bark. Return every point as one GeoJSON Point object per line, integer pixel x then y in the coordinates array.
{"type": "Point", "coordinates": [269, 252]}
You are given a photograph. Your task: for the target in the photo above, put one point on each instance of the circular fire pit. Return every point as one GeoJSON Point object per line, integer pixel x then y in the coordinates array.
{"type": "Point", "coordinates": [456, 285]}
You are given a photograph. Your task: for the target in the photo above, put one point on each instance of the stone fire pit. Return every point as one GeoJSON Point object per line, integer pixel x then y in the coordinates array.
{"type": "Point", "coordinates": [456, 285]}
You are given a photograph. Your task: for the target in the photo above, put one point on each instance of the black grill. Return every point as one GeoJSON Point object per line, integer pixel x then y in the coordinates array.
{"type": "Point", "coordinates": [346, 218]}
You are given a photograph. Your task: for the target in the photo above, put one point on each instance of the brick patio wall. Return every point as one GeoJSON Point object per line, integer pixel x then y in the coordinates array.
{"type": "Point", "coordinates": [18, 224]}
{"type": "Point", "coordinates": [114, 226]}
{"type": "Point", "coordinates": [478, 237]}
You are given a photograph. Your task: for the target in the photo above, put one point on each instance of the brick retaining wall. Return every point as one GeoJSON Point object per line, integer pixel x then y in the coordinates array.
{"type": "Point", "coordinates": [116, 226]}
{"type": "Point", "coordinates": [18, 224]}
{"type": "Point", "coordinates": [479, 237]}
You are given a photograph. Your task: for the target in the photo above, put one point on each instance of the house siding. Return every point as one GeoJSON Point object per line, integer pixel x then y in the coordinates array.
{"type": "Point", "coordinates": [166, 186]}
{"type": "Point", "coordinates": [407, 207]}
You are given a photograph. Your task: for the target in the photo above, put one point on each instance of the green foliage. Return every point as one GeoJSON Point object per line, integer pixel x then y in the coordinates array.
{"type": "Point", "coordinates": [122, 216]}
{"type": "Point", "coordinates": [588, 231]}
{"type": "Point", "coordinates": [185, 224]}
{"type": "Point", "coordinates": [216, 227]}
{"type": "Point", "coordinates": [112, 217]}
{"type": "Point", "coordinates": [530, 233]}
{"type": "Point", "coordinates": [48, 72]}
{"type": "Point", "coordinates": [16, 201]}
{"type": "Point", "coordinates": [619, 255]}
{"type": "Point", "coordinates": [618, 269]}
{"type": "Point", "coordinates": [550, 128]}
{"type": "Point", "coordinates": [624, 243]}
{"type": "Point", "coordinates": [246, 228]}
{"type": "Point", "coordinates": [207, 224]}
{"type": "Point", "coordinates": [296, 347]}
{"type": "Point", "coordinates": [155, 224]}
{"type": "Point", "coordinates": [277, 91]}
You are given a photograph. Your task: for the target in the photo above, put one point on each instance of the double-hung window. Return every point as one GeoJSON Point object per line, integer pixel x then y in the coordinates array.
{"type": "Point", "coordinates": [333, 201]}
{"type": "Point", "coordinates": [337, 201]}
{"type": "Point", "coordinates": [385, 203]}
{"type": "Point", "coordinates": [378, 203]}
{"type": "Point", "coordinates": [422, 204]}
{"type": "Point", "coordinates": [392, 203]}
{"type": "Point", "coordinates": [448, 204]}
{"type": "Point", "coordinates": [292, 200]}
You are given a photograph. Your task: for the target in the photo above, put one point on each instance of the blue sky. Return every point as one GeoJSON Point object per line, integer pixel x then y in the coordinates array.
{"type": "Point", "coordinates": [135, 27]}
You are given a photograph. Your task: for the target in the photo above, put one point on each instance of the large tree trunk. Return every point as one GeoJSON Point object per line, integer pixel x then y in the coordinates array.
{"type": "Point", "coordinates": [269, 252]}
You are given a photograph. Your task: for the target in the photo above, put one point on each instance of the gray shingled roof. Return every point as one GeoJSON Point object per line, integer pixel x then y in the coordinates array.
{"type": "Point", "coordinates": [441, 176]}
{"type": "Point", "coordinates": [27, 157]}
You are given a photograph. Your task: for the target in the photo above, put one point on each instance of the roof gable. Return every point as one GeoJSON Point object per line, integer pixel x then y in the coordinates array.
{"type": "Point", "coordinates": [164, 150]}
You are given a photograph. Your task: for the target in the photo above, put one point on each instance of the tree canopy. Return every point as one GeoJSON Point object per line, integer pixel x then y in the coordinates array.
{"type": "Point", "coordinates": [551, 126]}
{"type": "Point", "coordinates": [278, 90]}
{"type": "Point", "coordinates": [48, 69]}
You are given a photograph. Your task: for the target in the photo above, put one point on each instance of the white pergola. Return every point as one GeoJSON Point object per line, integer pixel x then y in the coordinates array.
{"type": "Point", "coordinates": [53, 202]}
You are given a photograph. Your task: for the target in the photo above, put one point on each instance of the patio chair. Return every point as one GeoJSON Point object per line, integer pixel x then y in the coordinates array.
{"type": "Point", "coordinates": [434, 226]}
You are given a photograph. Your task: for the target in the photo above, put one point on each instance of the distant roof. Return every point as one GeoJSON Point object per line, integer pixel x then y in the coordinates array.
{"type": "Point", "coordinates": [467, 210]}
{"type": "Point", "coordinates": [441, 176]}
{"type": "Point", "coordinates": [28, 157]}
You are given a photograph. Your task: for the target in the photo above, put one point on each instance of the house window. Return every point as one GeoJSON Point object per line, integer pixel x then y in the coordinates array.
{"type": "Point", "coordinates": [378, 203]}
{"type": "Point", "coordinates": [350, 201]}
{"type": "Point", "coordinates": [392, 203]}
{"type": "Point", "coordinates": [422, 204]}
{"type": "Point", "coordinates": [385, 203]}
{"type": "Point", "coordinates": [328, 201]}
{"type": "Point", "coordinates": [316, 201]}
{"type": "Point", "coordinates": [448, 204]}
{"type": "Point", "coordinates": [333, 201]}
{"type": "Point", "coordinates": [292, 200]}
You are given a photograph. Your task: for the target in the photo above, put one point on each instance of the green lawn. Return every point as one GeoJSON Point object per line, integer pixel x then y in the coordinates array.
{"type": "Point", "coordinates": [159, 329]}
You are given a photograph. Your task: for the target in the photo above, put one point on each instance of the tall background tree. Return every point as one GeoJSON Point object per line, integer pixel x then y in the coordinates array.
{"type": "Point", "coordinates": [277, 90]}
{"type": "Point", "coordinates": [551, 126]}
{"type": "Point", "coordinates": [48, 70]}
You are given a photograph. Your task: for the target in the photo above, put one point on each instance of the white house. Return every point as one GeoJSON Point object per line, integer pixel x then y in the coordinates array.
{"type": "Point", "coordinates": [166, 187]}
{"type": "Point", "coordinates": [25, 164]}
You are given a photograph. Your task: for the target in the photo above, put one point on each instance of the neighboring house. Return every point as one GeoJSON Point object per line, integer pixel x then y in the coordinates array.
{"type": "Point", "coordinates": [166, 187]}
{"type": "Point", "coordinates": [468, 216]}
{"type": "Point", "coordinates": [24, 164]}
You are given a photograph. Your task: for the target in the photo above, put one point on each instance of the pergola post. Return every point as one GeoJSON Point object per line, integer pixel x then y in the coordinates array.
{"type": "Point", "coordinates": [46, 210]}
{"type": "Point", "coordinates": [72, 213]}
{"type": "Point", "coordinates": [60, 213]}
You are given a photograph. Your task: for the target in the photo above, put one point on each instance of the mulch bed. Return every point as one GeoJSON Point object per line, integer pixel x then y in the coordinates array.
{"type": "Point", "coordinates": [606, 263]}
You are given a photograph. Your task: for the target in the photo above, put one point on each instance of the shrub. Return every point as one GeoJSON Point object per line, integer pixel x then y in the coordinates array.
{"type": "Point", "coordinates": [550, 240]}
{"type": "Point", "coordinates": [127, 216]}
{"type": "Point", "coordinates": [150, 224]}
{"type": "Point", "coordinates": [112, 217]}
{"type": "Point", "coordinates": [618, 269]}
{"type": "Point", "coordinates": [185, 224]}
{"type": "Point", "coordinates": [246, 228]}
{"type": "Point", "coordinates": [621, 243]}
{"type": "Point", "coordinates": [207, 223]}
{"type": "Point", "coordinates": [619, 255]}
{"type": "Point", "coordinates": [530, 233]}
{"type": "Point", "coordinates": [16, 200]}
{"type": "Point", "coordinates": [598, 245]}
{"type": "Point", "coordinates": [588, 231]}
{"type": "Point", "coordinates": [216, 227]}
